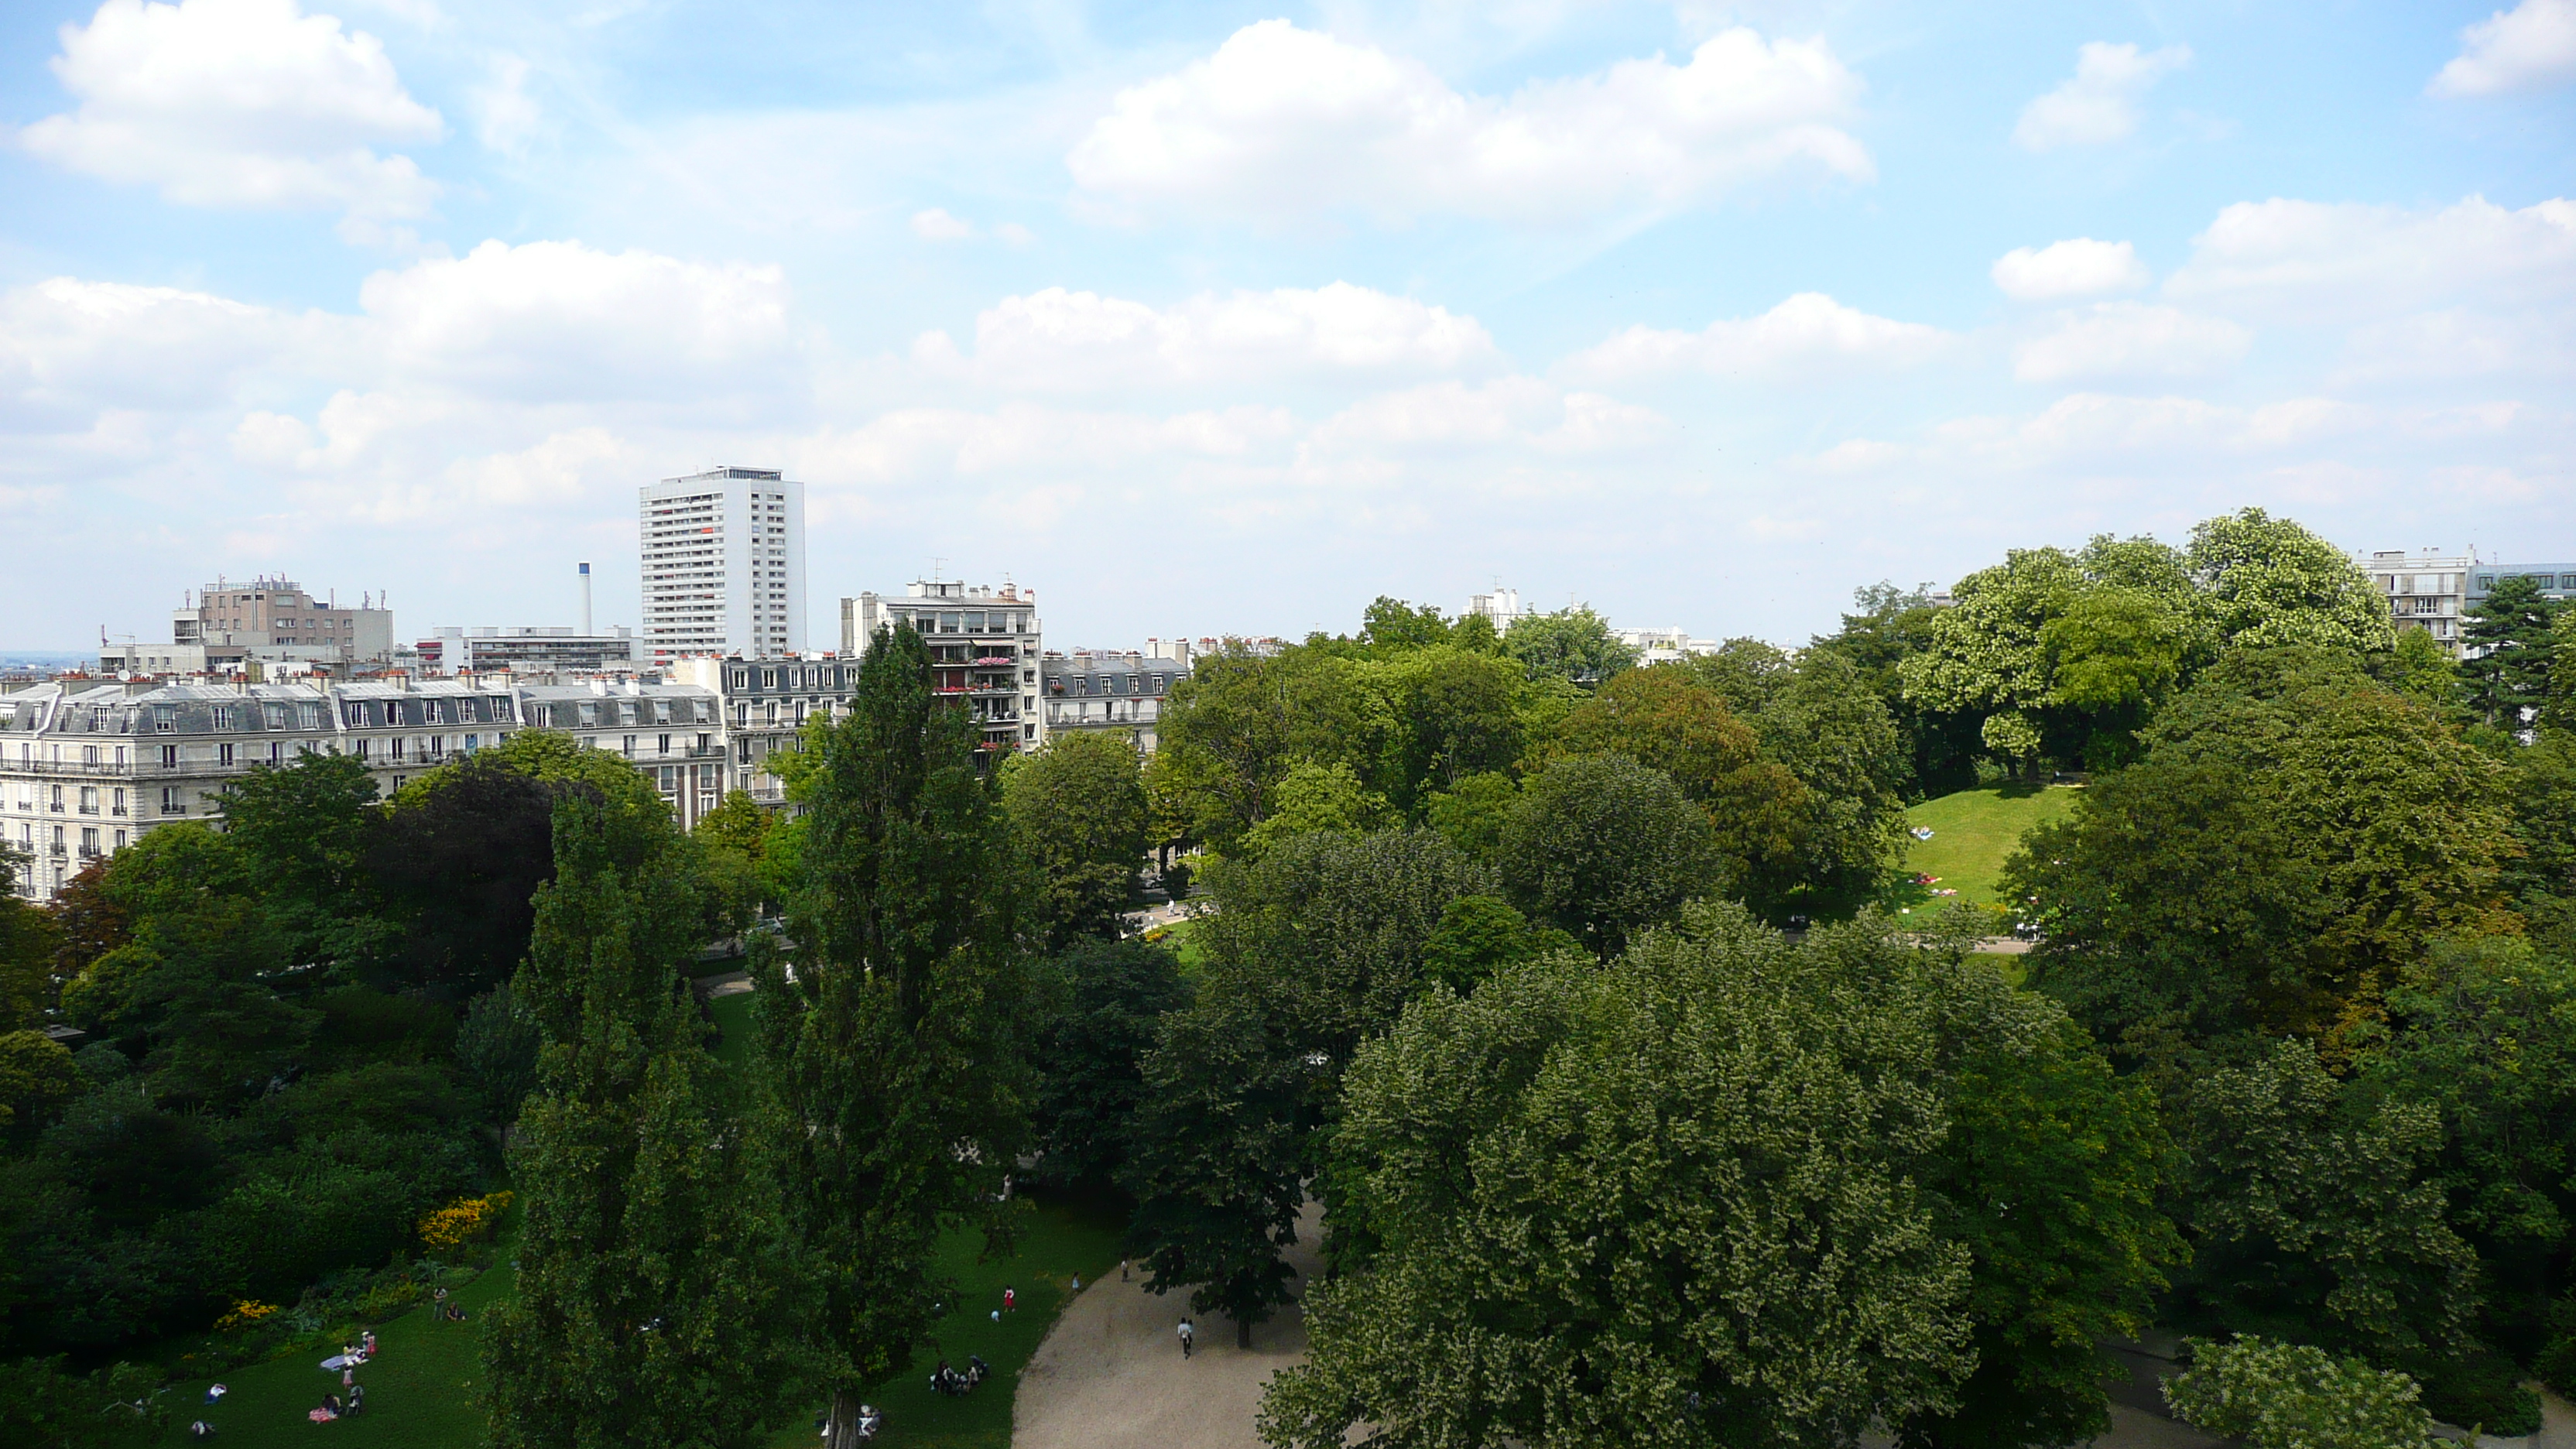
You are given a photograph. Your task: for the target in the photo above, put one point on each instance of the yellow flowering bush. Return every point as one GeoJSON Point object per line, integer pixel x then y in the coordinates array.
{"type": "Point", "coordinates": [463, 1220]}
{"type": "Point", "coordinates": [244, 1314]}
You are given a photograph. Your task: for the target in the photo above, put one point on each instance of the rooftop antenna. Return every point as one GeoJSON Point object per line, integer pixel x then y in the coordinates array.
{"type": "Point", "coordinates": [937, 564]}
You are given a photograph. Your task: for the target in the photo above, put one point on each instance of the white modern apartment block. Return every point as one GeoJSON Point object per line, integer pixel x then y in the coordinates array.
{"type": "Point", "coordinates": [2426, 591]}
{"type": "Point", "coordinates": [724, 564]}
{"type": "Point", "coordinates": [1502, 606]}
{"type": "Point", "coordinates": [984, 644]}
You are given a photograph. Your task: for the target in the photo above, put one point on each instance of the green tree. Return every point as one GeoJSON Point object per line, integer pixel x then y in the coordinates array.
{"type": "Point", "coordinates": [1460, 715]}
{"type": "Point", "coordinates": [1078, 815]}
{"type": "Point", "coordinates": [2270, 583]}
{"type": "Point", "coordinates": [1234, 729]}
{"type": "Point", "coordinates": [1218, 1158]}
{"type": "Point", "coordinates": [1471, 813]}
{"type": "Point", "coordinates": [496, 1049]}
{"type": "Point", "coordinates": [2418, 667]}
{"type": "Point", "coordinates": [1313, 947]}
{"type": "Point", "coordinates": [1890, 627]}
{"type": "Point", "coordinates": [29, 943]}
{"type": "Point", "coordinates": [1573, 643]}
{"type": "Point", "coordinates": [2508, 642]}
{"type": "Point", "coordinates": [43, 1405]}
{"type": "Point", "coordinates": [1392, 625]}
{"type": "Point", "coordinates": [1311, 798]}
{"type": "Point", "coordinates": [1478, 936]}
{"type": "Point", "coordinates": [1838, 740]}
{"type": "Point", "coordinates": [657, 1297]}
{"type": "Point", "coordinates": [2315, 1210]}
{"type": "Point", "coordinates": [2272, 1395]}
{"type": "Point", "coordinates": [1111, 996]}
{"type": "Point", "coordinates": [1601, 846]}
{"type": "Point", "coordinates": [739, 824]}
{"type": "Point", "coordinates": [1667, 1201]}
{"type": "Point", "coordinates": [896, 1050]}
{"type": "Point", "coordinates": [307, 831]}
{"type": "Point", "coordinates": [1748, 674]}
{"type": "Point", "coordinates": [2292, 838]}
{"type": "Point", "coordinates": [1664, 718]}
{"type": "Point", "coordinates": [2483, 1033]}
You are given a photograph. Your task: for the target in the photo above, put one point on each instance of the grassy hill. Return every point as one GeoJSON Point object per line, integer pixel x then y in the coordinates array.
{"type": "Point", "coordinates": [420, 1388]}
{"type": "Point", "coordinates": [1973, 833]}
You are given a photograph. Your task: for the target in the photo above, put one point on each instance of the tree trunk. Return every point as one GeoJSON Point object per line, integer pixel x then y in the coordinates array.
{"type": "Point", "coordinates": [1243, 1334]}
{"type": "Point", "coordinates": [843, 1430]}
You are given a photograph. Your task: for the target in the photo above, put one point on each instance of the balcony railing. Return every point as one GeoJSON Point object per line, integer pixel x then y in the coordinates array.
{"type": "Point", "coordinates": [61, 767]}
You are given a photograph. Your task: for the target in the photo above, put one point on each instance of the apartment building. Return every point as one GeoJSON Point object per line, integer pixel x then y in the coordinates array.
{"type": "Point", "coordinates": [1092, 690]}
{"type": "Point", "coordinates": [2435, 591]}
{"type": "Point", "coordinates": [723, 564]}
{"type": "Point", "coordinates": [531, 650]}
{"type": "Point", "coordinates": [87, 768]}
{"type": "Point", "coordinates": [984, 641]}
{"type": "Point", "coordinates": [673, 732]}
{"type": "Point", "coordinates": [765, 704]}
{"type": "Point", "coordinates": [278, 613]}
{"type": "Point", "coordinates": [1664, 646]}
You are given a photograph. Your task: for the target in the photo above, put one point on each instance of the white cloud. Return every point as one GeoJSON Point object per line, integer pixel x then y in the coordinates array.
{"type": "Point", "coordinates": [2099, 103]}
{"type": "Point", "coordinates": [1063, 340]}
{"type": "Point", "coordinates": [2131, 339]}
{"type": "Point", "coordinates": [69, 344]}
{"type": "Point", "coordinates": [1456, 417]}
{"type": "Point", "coordinates": [1285, 123]}
{"type": "Point", "coordinates": [2528, 47]}
{"type": "Point", "coordinates": [555, 321]}
{"type": "Point", "coordinates": [2334, 262]}
{"type": "Point", "coordinates": [506, 117]}
{"type": "Point", "coordinates": [937, 225]}
{"type": "Point", "coordinates": [1808, 334]}
{"type": "Point", "coordinates": [237, 103]}
{"type": "Point", "coordinates": [2081, 267]}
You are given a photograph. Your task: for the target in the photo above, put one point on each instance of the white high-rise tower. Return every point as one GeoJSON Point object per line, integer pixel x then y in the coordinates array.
{"type": "Point", "coordinates": [724, 564]}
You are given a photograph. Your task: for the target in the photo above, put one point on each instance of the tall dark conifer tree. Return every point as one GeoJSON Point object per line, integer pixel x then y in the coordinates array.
{"type": "Point", "coordinates": [894, 1044]}
{"type": "Point", "coordinates": [658, 1301]}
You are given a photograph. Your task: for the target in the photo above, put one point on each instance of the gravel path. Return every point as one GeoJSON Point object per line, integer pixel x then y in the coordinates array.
{"type": "Point", "coordinates": [1111, 1376]}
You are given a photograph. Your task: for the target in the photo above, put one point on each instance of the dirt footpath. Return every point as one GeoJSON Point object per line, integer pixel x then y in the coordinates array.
{"type": "Point", "coordinates": [1110, 1376]}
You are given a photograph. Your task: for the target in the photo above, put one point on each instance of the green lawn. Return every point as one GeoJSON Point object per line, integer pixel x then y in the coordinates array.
{"type": "Point", "coordinates": [419, 1388]}
{"type": "Point", "coordinates": [1973, 833]}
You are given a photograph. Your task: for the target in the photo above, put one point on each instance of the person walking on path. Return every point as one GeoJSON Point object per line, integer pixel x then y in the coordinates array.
{"type": "Point", "coordinates": [1189, 1335]}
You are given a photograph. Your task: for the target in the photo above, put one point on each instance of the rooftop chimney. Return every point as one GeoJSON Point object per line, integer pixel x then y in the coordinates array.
{"type": "Point", "coordinates": [585, 601]}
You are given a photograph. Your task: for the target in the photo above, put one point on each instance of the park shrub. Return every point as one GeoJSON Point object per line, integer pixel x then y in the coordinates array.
{"type": "Point", "coordinates": [463, 1221]}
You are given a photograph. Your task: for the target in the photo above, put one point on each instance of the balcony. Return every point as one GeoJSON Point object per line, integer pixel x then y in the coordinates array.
{"type": "Point", "coordinates": [61, 767]}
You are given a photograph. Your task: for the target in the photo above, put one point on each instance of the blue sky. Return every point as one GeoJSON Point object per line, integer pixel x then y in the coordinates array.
{"type": "Point", "coordinates": [1213, 318]}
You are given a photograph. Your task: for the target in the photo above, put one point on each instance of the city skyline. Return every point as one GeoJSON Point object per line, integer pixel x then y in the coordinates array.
{"type": "Point", "coordinates": [1288, 306]}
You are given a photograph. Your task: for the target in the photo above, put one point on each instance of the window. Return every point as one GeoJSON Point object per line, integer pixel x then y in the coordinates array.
{"type": "Point", "coordinates": [273, 716]}
{"type": "Point", "coordinates": [89, 755]}
{"type": "Point", "coordinates": [629, 748]}
{"type": "Point", "coordinates": [2486, 583]}
{"type": "Point", "coordinates": [116, 806]}
{"type": "Point", "coordinates": [665, 745]}
{"type": "Point", "coordinates": [164, 719]}
{"type": "Point", "coordinates": [397, 747]}
{"type": "Point", "coordinates": [89, 800]}
{"type": "Point", "coordinates": [169, 757]}
{"type": "Point", "coordinates": [224, 753]}
{"type": "Point", "coordinates": [362, 749]}
{"type": "Point", "coordinates": [223, 716]}
{"type": "Point", "coordinates": [170, 801]}
{"type": "Point", "coordinates": [120, 840]}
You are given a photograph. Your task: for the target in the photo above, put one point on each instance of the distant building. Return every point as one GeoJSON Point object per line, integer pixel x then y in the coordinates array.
{"type": "Point", "coordinates": [229, 622]}
{"type": "Point", "coordinates": [724, 564]}
{"type": "Point", "coordinates": [985, 642]}
{"type": "Point", "coordinates": [527, 651]}
{"type": "Point", "coordinates": [674, 733]}
{"type": "Point", "coordinates": [87, 768]}
{"type": "Point", "coordinates": [765, 703]}
{"type": "Point", "coordinates": [1502, 606]}
{"type": "Point", "coordinates": [1664, 646]}
{"type": "Point", "coordinates": [2435, 592]}
{"type": "Point", "coordinates": [1091, 691]}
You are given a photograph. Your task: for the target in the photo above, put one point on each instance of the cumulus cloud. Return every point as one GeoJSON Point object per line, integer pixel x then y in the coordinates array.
{"type": "Point", "coordinates": [2321, 261]}
{"type": "Point", "coordinates": [2131, 339]}
{"type": "Point", "coordinates": [237, 103]}
{"type": "Point", "coordinates": [2531, 46]}
{"type": "Point", "coordinates": [2099, 103]}
{"type": "Point", "coordinates": [1283, 123]}
{"type": "Point", "coordinates": [1065, 340]}
{"type": "Point", "coordinates": [79, 345]}
{"type": "Point", "coordinates": [2081, 267]}
{"type": "Point", "coordinates": [1808, 334]}
{"type": "Point", "coordinates": [557, 321]}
